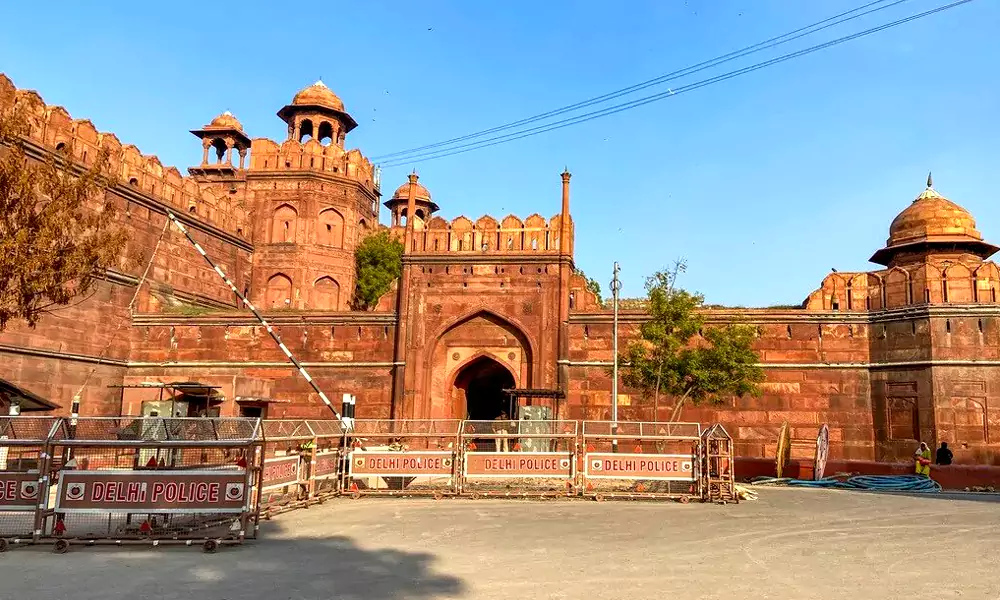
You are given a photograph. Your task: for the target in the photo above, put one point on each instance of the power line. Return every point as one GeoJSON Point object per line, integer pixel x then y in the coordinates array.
{"type": "Point", "coordinates": [769, 43]}
{"type": "Point", "coordinates": [660, 96]}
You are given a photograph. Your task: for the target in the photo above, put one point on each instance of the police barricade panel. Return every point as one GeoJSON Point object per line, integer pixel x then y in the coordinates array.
{"type": "Point", "coordinates": [126, 479]}
{"type": "Point", "coordinates": [23, 468]}
{"type": "Point", "coordinates": [519, 458]}
{"type": "Point", "coordinates": [403, 457]}
{"type": "Point", "coordinates": [284, 478]}
{"type": "Point", "coordinates": [327, 458]}
{"type": "Point", "coordinates": [641, 460]}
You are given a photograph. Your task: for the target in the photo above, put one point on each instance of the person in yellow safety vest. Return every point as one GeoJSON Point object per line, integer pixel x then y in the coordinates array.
{"type": "Point", "coordinates": [922, 460]}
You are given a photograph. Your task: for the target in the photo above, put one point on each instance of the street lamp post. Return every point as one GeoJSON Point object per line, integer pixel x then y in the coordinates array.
{"type": "Point", "coordinates": [615, 287]}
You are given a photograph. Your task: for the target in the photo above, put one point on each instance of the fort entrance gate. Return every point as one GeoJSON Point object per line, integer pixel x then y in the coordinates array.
{"type": "Point", "coordinates": [482, 383]}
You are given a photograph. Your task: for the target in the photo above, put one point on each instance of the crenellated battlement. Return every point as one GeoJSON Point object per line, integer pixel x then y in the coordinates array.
{"type": "Point", "coordinates": [268, 155]}
{"type": "Point", "coordinates": [53, 129]}
{"type": "Point", "coordinates": [487, 236]}
{"type": "Point", "coordinates": [932, 282]}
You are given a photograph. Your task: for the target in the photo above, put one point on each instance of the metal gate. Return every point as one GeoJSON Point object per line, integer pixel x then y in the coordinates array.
{"type": "Point", "coordinates": [402, 457]}
{"type": "Point", "coordinates": [519, 458]}
{"type": "Point", "coordinates": [631, 459]}
{"type": "Point", "coordinates": [153, 480]}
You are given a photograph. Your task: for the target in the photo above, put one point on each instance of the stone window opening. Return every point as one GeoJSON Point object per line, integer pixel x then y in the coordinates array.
{"type": "Point", "coordinates": [980, 326]}
{"type": "Point", "coordinates": [927, 295]}
{"type": "Point", "coordinates": [947, 326]}
{"type": "Point", "coordinates": [435, 245]}
{"type": "Point", "coordinates": [325, 134]}
{"type": "Point", "coordinates": [459, 245]}
{"type": "Point", "coordinates": [501, 284]}
{"type": "Point", "coordinates": [84, 156]}
{"type": "Point", "coordinates": [944, 286]}
{"type": "Point", "coordinates": [868, 303]}
{"type": "Point", "coordinates": [913, 327]}
{"type": "Point", "coordinates": [359, 333]}
{"type": "Point", "coordinates": [385, 333]}
{"type": "Point", "coordinates": [333, 332]}
{"type": "Point", "coordinates": [850, 331]}
{"type": "Point", "coordinates": [586, 332]}
{"type": "Point", "coordinates": [192, 209]}
{"type": "Point", "coordinates": [133, 182]}
{"type": "Point", "coordinates": [788, 331]}
{"type": "Point", "coordinates": [305, 131]}
{"type": "Point", "coordinates": [534, 244]}
{"type": "Point", "coordinates": [510, 243]}
{"type": "Point", "coordinates": [819, 331]}
{"type": "Point", "coordinates": [60, 147]}
{"type": "Point", "coordinates": [850, 297]}
{"type": "Point", "coordinates": [572, 300]}
{"type": "Point", "coordinates": [993, 294]}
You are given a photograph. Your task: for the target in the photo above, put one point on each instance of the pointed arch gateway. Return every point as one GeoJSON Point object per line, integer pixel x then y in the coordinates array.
{"type": "Point", "coordinates": [473, 359]}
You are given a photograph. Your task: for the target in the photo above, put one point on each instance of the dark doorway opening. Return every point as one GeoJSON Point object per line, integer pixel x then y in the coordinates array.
{"type": "Point", "coordinates": [484, 381]}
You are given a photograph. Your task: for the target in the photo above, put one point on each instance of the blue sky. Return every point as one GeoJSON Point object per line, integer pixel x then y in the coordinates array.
{"type": "Point", "coordinates": [762, 183]}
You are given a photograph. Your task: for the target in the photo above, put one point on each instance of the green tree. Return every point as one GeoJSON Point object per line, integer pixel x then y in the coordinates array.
{"type": "Point", "coordinates": [677, 355]}
{"type": "Point", "coordinates": [58, 228]}
{"type": "Point", "coordinates": [592, 285]}
{"type": "Point", "coordinates": [378, 261]}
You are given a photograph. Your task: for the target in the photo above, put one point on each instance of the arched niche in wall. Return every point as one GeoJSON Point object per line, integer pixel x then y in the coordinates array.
{"type": "Point", "coordinates": [283, 224]}
{"type": "Point", "coordinates": [278, 293]}
{"type": "Point", "coordinates": [326, 294]}
{"type": "Point", "coordinates": [330, 229]}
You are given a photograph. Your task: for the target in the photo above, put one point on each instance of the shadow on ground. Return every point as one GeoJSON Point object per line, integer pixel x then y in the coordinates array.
{"type": "Point", "coordinates": [279, 566]}
{"type": "Point", "coordinates": [286, 562]}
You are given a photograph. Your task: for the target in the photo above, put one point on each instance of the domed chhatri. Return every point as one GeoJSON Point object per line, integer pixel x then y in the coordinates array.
{"type": "Point", "coordinates": [425, 206]}
{"type": "Point", "coordinates": [933, 221]}
{"type": "Point", "coordinates": [318, 94]}
{"type": "Point", "coordinates": [313, 105]}
{"type": "Point", "coordinates": [225, 121]}
{"type": "Point", "coordinates": [403, 192]}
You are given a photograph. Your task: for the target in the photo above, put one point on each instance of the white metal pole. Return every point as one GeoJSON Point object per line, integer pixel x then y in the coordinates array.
{"type": "Point", "coordinates": [615, 286]}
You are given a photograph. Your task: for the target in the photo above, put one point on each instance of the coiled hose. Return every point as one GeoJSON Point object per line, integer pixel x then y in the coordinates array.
{"type": "Point", "coordinates": [882, 483]}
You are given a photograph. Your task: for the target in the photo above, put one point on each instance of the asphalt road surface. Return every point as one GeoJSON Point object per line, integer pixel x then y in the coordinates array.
{"type": "Point", "coordinates": [791, 544]}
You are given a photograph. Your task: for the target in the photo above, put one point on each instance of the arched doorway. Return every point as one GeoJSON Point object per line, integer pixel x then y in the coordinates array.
{"type": "Point", "coordinates": [481, 383]}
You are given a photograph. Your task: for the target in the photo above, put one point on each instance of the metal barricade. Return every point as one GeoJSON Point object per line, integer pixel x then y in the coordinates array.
{"type": "Point", "coordinates": [153, 480]}
{"type": "Point", "coordinates": [283, 482]}
{"type": "Point", "coordinates": [630, 459]}
{"type": "Point", "coordinates": [327, 459]}
{"type": "Point", "coordinates": [519, 458]}
{"type": "Point", "coordinates": [24, 456]}
{"type": "Point", "coordinates": [717, 467]}
{"type": "Point", "coordinates": [402, 458]}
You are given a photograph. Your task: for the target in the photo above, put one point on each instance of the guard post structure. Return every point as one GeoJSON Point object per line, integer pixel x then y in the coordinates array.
{"type": "Point", "coordinates": [403, 457]}
{"type": "Point", "coordinates": [24, 458]}
{"type": "Point", "coordinates": [653, 460]}
{"type": "Point", "coordinates": [153, 480]}
{"type": "Point", "coordinates": [519, 458]}
{"type": "Point", "coordinates": [718, 465]}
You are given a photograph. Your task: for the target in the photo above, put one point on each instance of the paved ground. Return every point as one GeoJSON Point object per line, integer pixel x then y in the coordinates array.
{"type": "Point", "coordinates": [792, 544]}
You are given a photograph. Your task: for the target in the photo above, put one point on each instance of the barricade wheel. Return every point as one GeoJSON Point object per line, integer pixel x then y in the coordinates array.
{"type": "Point", "coordinates": [210, 546]}
{"type": "Point", "coordinates": [3, 545]}
{"type": "Point", "coordinates": [684, 499]}
{"type": "Point", "coordinates": [475, 495]}
{"type": "Point", "coordinates": [60, 547]}
{"type": "Point", "coordinates": [355, 495]}
{"type": "Point", "coordinates": [599, 498]}
{"type": "Point", "coordinates": [438, 495]}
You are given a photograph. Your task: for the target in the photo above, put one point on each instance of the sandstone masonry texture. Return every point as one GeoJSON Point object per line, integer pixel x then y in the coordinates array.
{"type": "Point", "coordinates": [885, 358]}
